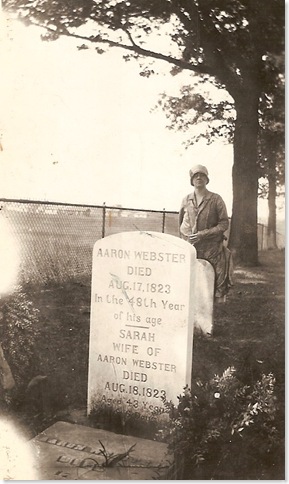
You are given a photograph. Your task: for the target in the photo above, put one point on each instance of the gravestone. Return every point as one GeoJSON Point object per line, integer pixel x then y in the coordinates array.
{"type": "Point", "coordinates": [67, 451]}
{"type": "Point", "coordinates": [204, 296]}
{"type": "Point", "coordinates": [142, 315]}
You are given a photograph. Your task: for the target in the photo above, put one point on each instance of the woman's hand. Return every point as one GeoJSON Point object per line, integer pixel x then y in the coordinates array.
{"type": "Point", "coordinates": [195, 238]}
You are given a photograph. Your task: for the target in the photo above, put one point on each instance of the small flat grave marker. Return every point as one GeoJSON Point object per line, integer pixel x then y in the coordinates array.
{"type": "Point", "coordinates": [66, 451]}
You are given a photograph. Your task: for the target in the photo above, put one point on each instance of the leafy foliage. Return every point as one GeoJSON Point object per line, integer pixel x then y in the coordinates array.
{"type": "Point", "coordinates": [18, 334]}
{"type": "Point", "coordinates": [194, 112]}
{"type": "Point", "coordinates": [223, 429]}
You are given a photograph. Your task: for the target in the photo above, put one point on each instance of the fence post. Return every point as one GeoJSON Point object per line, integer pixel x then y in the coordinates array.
{"type": "Point", "coordinates": [103, 219]}
{"type": "Point", "coordinates": [164, 220]}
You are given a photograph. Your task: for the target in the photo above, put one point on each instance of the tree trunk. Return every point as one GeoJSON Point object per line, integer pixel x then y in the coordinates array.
{"type": "Point", "coordinates": [272, 193]}
{"type": "Point", "coordinates": [243, 237]}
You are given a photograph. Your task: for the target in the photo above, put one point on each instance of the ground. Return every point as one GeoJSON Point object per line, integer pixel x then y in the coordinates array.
{"type": "Point", "coordinates": [249, 334]}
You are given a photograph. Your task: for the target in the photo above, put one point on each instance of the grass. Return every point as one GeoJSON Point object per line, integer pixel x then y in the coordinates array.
{"type": "Point", "coordinates": [249, 330]}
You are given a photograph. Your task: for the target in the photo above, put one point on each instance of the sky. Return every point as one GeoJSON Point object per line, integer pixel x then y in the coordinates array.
{"type": "Point", "coordinates": [78, 127]}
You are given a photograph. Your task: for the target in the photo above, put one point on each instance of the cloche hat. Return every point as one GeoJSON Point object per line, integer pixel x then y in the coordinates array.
{"type": "Point", "coordinates": [199, 169]}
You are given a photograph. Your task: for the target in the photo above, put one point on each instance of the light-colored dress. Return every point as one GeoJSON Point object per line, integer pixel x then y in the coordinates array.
{"type": "Point", "coordinates": [210, 219]}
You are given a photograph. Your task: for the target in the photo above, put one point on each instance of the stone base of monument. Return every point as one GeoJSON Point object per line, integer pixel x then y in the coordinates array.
{"type": "Point", "coordinates": [70, 451]}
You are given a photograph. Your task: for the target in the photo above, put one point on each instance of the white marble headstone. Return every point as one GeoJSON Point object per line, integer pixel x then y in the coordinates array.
{"type": "Point", "coordinates": [142, 316]}
{"type": "Point", "coordinates": [204, 296]}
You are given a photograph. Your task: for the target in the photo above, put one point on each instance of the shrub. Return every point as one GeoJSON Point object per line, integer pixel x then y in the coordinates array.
{"type": "Point", "coordinates": [18, 333]}
{"type": "Point", "coordinates": [225, 430]}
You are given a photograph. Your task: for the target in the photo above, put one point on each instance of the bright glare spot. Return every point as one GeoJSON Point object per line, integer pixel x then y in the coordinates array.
{"type": "Point", "coordinates": [9, 258]}
{"type": "Point", "coordinates": [16, 456]}
{"type": "Point", "coordinates": [217, 395]}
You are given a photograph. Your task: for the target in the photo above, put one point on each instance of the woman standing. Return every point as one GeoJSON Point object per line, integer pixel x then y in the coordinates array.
{"type": "Point", "coordinates": [203, 219]}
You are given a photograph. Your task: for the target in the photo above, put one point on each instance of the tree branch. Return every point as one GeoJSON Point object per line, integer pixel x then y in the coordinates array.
{"type": "Point", "coordinates": [198, 68]}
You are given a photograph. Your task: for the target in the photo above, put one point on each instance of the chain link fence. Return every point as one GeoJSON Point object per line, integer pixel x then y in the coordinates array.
{"type": "Point", "coordinates": [263, 238]}
{"type": "Point", "coordinates": [55, 240]}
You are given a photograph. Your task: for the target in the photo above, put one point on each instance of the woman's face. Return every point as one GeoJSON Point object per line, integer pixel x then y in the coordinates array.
{"type": "Point", "coordinates": [199, 180]}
